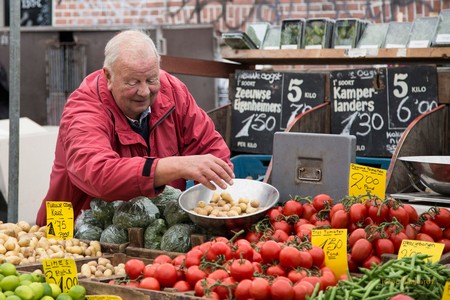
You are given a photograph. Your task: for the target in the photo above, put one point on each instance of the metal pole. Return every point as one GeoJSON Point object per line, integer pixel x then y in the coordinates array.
{"type": "Point", "coordinates": [14, 110]}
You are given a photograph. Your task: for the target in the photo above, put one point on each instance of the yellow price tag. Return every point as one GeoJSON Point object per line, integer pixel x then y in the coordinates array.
{"type": "Point", "coordinates": [363, 180]}
{"type": "Point", "coordinates": [59, 220]}
{"type": "Point", "coordinates": [334, 244]}
{"type": "Point", "coordinates": [446, 292]}
{"type": "Point", "coordinates": [61, 271]}
{"type": "Point", "coordinates": [410, 247]}
{"type": "Point", "coordinates": [103, 297]}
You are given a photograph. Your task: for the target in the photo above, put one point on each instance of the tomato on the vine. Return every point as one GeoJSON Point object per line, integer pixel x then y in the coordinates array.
{"type": "Point", "coordinates": [275, 270]}
{"type": "Point", "coordinates": [242, 291]}
{"type": "Point", "coordinates": [432, 229]}
{"type": "Point", "coordinates": [384, 246]}
{"type": "Point", "coordinates": [162, 258]}
{"type": "Point", "coordinates": [134, 267]}
{"type": "Point", "coordinates": [361, 250]}
{"type": "Point", "coordinates": [340, 219]}
{"type": "Point", "coordinates": [290, 257]}
{"type": "Point", "coordinates": [322, 201]}
{"type": "Point", "coordinates": [308, 211]}
{"type": "Point", "coordinates": [282, 289]}
{"type": "Point", "coordinates": [292, 208]}
{"type": "Point", "coordinates": [442, 218]}
{"type": "Point", "coordinates": [270, 251]}
{"type": "Point", "coordinates": [282, 225]}
{"type": "Point", "coordinates": [182, 286]}
{"type": "Point", "coordinates": [166, 274]}
{"type": "Point", "coordinates": [358, 213]}
{"type": "Point", "coordinates": [260, 289]}
{"type": "Point", "coordinates": [150, 283]}
{"type": "Point", "coordinates": [242, 269]}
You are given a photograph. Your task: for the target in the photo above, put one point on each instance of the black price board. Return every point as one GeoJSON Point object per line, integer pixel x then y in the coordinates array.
{"type": "Point", "coordinates": [301, 92]}
{"type": "Point", "coordinates": [32, 12]}
{"type": "Point", "coordinates": [358, 107]}
{"type": "Point", "coordinates": [412, 91]}
{"type": "Point", "coordinates": [256, 110]}
{"type": "Point", "coordinates": [265, 102]}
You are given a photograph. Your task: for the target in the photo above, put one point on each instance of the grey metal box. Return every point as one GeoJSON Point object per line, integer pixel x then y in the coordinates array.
{"type": "Point", "coordinates": [307, 164]}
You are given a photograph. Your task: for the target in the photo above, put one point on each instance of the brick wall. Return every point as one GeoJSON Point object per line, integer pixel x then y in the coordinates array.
{"type": "Point", "coordinates": [233, 14]}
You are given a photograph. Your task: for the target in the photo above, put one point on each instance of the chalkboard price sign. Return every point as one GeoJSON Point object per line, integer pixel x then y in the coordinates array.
{"type": "Point", "coordinates": [266, 102]}
{"type": "Point", "coordinates": [358, 102]}
{"type": "Point", "coordinates": [301, 92]}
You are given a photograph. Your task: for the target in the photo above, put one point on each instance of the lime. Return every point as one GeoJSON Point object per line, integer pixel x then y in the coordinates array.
{"type": "Point", "coordinates": [24, 292]}
{"type": "Point", "coordinates": [47, 289]}
{"type": "Point", "coordinates": [77, 292]}
{"type": "Point", "coordinates": [9, 283]}
{"type": "Point", "coordinates": [8, 293]}
{"type": "Point", "coordinates": [13, 297]}
{"type": "Point", "coordinates": [64, 296]}
{"type": "Point", "coordinates": [24, 282]}
{"type": "Point", "coordinates": [56, 290]}
{"type": "Point", "coordinates": [26, 277]}
{"type": "Point", "coordinates": [47, 298]}
{"type": "Point", "coordinates": [38, 289]}
{"type": "Point", "coordinates": [2, 296]}
{"type": "Point", "coordinates": [37, 277]}
{"type": "Point", "coordinates": [8, 269]}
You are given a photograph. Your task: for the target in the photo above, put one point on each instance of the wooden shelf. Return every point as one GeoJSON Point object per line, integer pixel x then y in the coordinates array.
{"type": "Point", "coordinates": [437, 56]}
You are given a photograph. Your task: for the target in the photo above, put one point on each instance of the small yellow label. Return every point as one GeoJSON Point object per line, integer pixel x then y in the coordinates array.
{"type": "Point", "coordinates": [446, 292]}
{"type": "Point", "coordinates": [59, 220]}
{"type": "Point", "coordinates": [61, 271]}
{"type": "Point", "coordinates": [364, 180]}
{"type": "Point", "coordinates": [410, 247]}
{"type": "Point", "coordinates": [103, 297]}
{"type": "Point", "coordinates": [334, 244]}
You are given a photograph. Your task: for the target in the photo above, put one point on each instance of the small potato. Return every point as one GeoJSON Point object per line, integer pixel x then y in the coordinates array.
{"type": "Point", "coordinates": [255, 203]}
{"type": "Point", "coordinates": [222, 214]}
{"type": "Point", "coordinates": [236, 209]}
{"type": "Point", "coordinates": [215, 197]}
{"type": "Point", "coordinates": [226, 207]}
{"type": "Point", "coordinates": [201, 204]}
{"type": "Point", "coordinates": [209, 208]}
{"type": "Point", "coordinates": [226, 196]}
{"type": "Point", "coordinates": [221, 202]}
{"type": "Point", "coordinates": [243, 200]}
{"type": "Point", "coordinates": [243, 207]}
{"type": "Point", "coordinates": [250, 210]}
{"type": "Point", "coordinates": [232, 213]}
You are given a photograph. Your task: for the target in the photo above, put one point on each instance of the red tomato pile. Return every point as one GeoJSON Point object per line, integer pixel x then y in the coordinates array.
{"type": "Point", "coordinates": [227, 269]}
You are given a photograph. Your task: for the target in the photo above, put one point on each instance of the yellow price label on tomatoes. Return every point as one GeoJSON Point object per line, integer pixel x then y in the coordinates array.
{"type": "Point", "coordinates": [410, 247]}
{"type": "Point", "coordinates": [364, 180]}
{"type": "Point", "coordinates": [61, 271]}
{"type": "Point", "coordinates": [334, 245]}
{"type": "Point", "coordinates": [446, 292]}
{"type": "Point", "coordinates": [59, 220]}
{"type": "Point", "coordinates": [103, 297]}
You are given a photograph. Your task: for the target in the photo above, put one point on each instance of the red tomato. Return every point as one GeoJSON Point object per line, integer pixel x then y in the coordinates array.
{"type": "Point", "coordinates": [227, 287]}
{"type": "Point", "coordinates": [335, 208]}
{"type": "Point", "coordinates": [304, 233]}
{"type": "Point", "coordinates": [193, 258]}
{"type": "Point", "coordinates": [202, 285]}
{"type": "Point", "coordinates": [340, 219]}
{"type": "Point", "coordinates": [400, 214]}
{"type": "Point", "coordinates": [322, 201]}
{"type": "Point", "coordinates": [282, 289]}
{"type": "Point", "coordinates": [166, 274]}
{"type": "Point", "coordinates": [260, 289]}
{"type": "Point", "coordinates": [317, 255]}
{"type": "Point", "coordinates": [194, 274]}
{"type": "Point", "coordinates": [384, 246]}
{"type": "Point", "coordinates": [219, 249]}
{"type": "Point", "coordinates": [424, 237]}
{"type": "Point", "coordinates": [282, 225]}
{"type": "Point", "coordinates": [150, 283]}
{"type": "Point", "coordinates": [322, 223]}
{"type": "Point", "coordinates": [300, 222]}
{"type": "Point", "coordinates": [211, 296]}
{"type": "Point", "coordinates": [397, 239]}
{"type": "Point", "coordinates": [162, 258]}
{"type": "Point", "coordinates": [290, 257]}
{"type": "Point", "coordinates": [219, 274]}
{"type": "Point", "coordinates": [412, 213]}
{"type": "Point", "coordinates": [411, 232]}
{"type": "Point", "coordinates": [432, 229]}
{"type": "Point", "coordinates": [446, 233]}
{"type": "Point", "coordinates": [179, 260]}
{"type": "Point", "coordinates": [327, 279]}
{"type": "Point", "coordinates": [442, 218]}
{"type": "Point", "coordinates": [308, 211]}
{"type": "Point", "coordinates": [296, 275]}
{"type": "Point", "coordinates": [270, 251]}
{"type": "Point", "coordinates": [134, 267]}
{"type": "Point", "coordinates": [312, 280]}
{"type": "Point", "coordinates": [306, 259]}
{"type": "Point", "coordinates": [280, 236]}
{"type": "Point", "coordinates": [182, 286]}
{"type": "Point", "coordinates": [446, 243]}
{"type": "Point", "coordinates": [275, 270]}
{"type": "Point", "coordinates": [357, 234]}
{"type": "Point", "coordinates": [303, 289]}
{"type": "Point", "coordinates": [292, 208]}
{"type": "Point", "coordinates": [275, 214]}
{"type": "Point", "coordinates": [243, 250]}
{"type": "Point", "coordinates": [368, 262]}
{"type": "Point", "coordinates": [131, 283]}
{"type": "Point", "coordinates": [361, 250]}
{"type": "Point", "coordinates": [358, 213]}
{"type": "Point", "coordinates": [378, 212]}
{"type": "Point", "coordinates": [149, 270]}
{"type": "Point", "coordinates": [401, 297]}
{"type": "Point", "coordinates": [253, 237]}
{"type": "Point", "coordinates": [352, 265]}
{"type": "Point", "coordinates": [242, 291]}
{"type": "Point", "coordinates": [242, 269]}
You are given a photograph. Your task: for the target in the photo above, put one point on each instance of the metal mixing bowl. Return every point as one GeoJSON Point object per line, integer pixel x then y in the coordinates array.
{"type": "Point", "coordinates": [241, 188]}
{"type": "Point", "coordinates": [432, 171]}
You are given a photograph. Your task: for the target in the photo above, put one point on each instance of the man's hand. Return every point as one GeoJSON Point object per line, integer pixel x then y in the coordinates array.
{"type": "Point", "coordinates": [205, 169]}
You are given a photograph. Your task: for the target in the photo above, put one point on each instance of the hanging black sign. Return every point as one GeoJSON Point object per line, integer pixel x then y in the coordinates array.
{"type": "Point", "coordinates": [301, 92]}
{"type": "Point", "coordinates": [412, 91]}
{"type": "Point", "coordinates": [358, 107]}
{"type": "Point", "coordinates": [265, 102]}
{"type": "Point", "coordinates": [32, 12]}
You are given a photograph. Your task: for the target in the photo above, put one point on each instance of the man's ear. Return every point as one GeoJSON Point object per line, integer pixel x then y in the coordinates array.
{"type": "Point", "coordinates": [107, 73]}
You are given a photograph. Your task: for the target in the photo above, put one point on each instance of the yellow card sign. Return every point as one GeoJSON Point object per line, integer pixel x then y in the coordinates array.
{"type": "Point", "coordinates": [364, 180]}
{"type": "Point", "coordinates": [59, 220]}
{"type": "Point", "coordinates": [61, 271]}
{"type": "Point", "coordinates": [410, 247]}
{"type": "Point", "coordinates": [334, 244]}
{"type": "Point", "coordinates": [446, 292]}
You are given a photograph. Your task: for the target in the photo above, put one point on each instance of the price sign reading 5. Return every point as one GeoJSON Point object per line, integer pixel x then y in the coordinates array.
{"type": "Point", "coordinates": [295, 91]}
{"type": "Point", "coordinates": [257, 122]}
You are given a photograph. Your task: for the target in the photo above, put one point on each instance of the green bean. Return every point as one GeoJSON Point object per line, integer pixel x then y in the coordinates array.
{"type": "Point", "coordinates": [370, 287]}
{"type": "Point", "coordinates": [333, 293]}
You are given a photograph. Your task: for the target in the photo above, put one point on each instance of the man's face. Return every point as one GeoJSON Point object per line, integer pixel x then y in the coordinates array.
{"type": "Point", "coordinates": [134, 83]}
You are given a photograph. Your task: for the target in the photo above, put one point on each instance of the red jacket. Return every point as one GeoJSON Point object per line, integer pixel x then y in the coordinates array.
{"type": "Point", "coordinates": [98, 155]}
